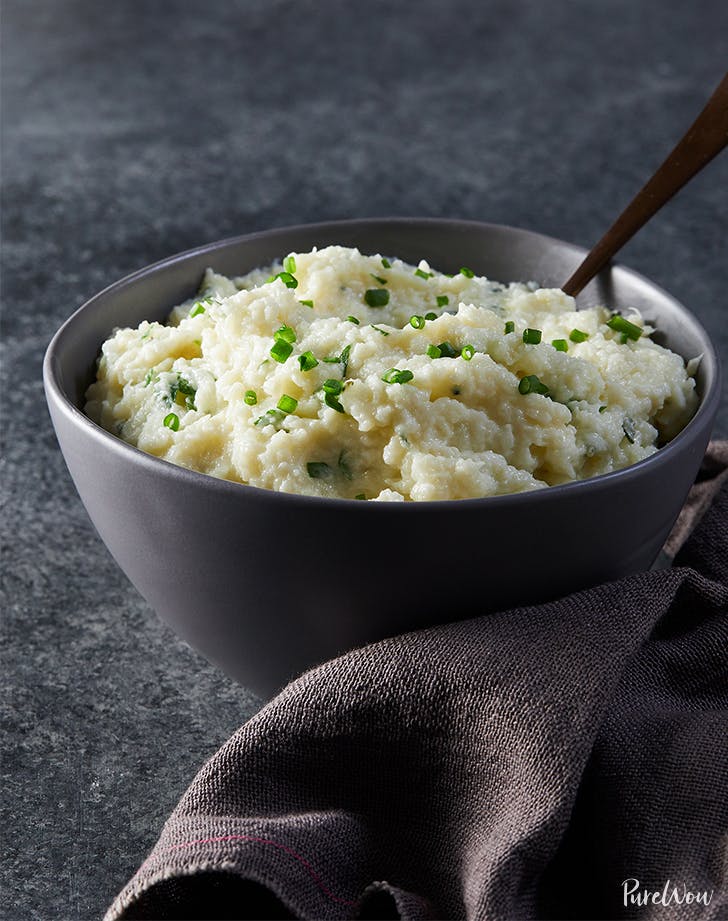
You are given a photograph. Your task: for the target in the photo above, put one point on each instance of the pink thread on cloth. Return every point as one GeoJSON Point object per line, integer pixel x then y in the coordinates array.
{"type": "Point", "coordinates": [282, 847]}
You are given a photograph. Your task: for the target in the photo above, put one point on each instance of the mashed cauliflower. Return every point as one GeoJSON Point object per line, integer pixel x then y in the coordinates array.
{"type": "Point", "coordinates": [343, 375]}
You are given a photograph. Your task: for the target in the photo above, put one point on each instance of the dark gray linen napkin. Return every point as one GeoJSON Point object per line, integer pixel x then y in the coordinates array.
{"type": "Point", "coordinates": [557, 761]}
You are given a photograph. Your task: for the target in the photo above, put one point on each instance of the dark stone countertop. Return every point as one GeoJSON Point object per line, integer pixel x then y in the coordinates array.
{"type": "Point", "coordinates": [135, 130]}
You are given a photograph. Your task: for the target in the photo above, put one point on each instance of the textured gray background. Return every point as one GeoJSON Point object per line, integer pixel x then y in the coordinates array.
{"type": "Point", "coordinates": [137, 129]}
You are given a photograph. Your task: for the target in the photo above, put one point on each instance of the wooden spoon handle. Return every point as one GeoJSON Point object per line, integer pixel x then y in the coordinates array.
{"type": "Point", "coordinates": [706, 137]}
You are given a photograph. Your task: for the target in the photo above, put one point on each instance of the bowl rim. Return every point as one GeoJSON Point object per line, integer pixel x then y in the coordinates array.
{"type": "Point", "coordinates": [57, 395]}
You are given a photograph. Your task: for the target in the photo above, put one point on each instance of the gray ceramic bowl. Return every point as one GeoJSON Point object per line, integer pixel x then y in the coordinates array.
{"type": "Point", "coordinates": [240, 572]}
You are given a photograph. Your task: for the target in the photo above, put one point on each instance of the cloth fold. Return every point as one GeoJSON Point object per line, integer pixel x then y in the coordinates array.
{"type": "Point", "coordinates": [560, 761]}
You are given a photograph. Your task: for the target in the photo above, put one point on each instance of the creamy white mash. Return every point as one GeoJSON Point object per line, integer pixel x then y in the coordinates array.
{"type": "Point", "coordinates": [343, 375]}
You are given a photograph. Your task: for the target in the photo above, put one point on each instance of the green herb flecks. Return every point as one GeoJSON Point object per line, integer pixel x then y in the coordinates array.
{"type": "Point", "coordinates": [468, 273]}
{"type": "Point", "coordinates": [342, 359]}
{"type": "Point", "coordinates": [289, 280]}
{"type": "Point", "coordinates": [578, 335]}
{"type": "Point", "coordinates": [447, 350]}
{"type": "Point", "coordinates": [421, 273]}
{"type": "Point", "coordinates": [531, 384]}
{"type": "Point", "coordinates": [251, 397]}
{"type": "Point", "coordinates": [510, 327]}
{"type": "Point", "coordinates": [289, 265]}
{"type": "Point", "coordinates": [287, 404]}
{"type": "Point", "coordinates": [307, 361]}
{"type": "Point", "coordinates": [620, 325]}
{"type": "Point", "coordinates": [442, 300]}
{"type": "Point", "coordinates": [171, 421]}
{"type": "Point", "coordinates": [376, 297]}
{"type": "Point", "coordinates": [272, 417]}
{"type": "Point", "coordinates": [386, 263]}
{"type": "Point", "coordinates": [284, 337]}
{"type": "Point", "coordinates": [285, 333]}
{"type": "Point", "coordinates": [467, 352]}
{"type": "Point", "coordinates": [281, 350]}
{"type": "Point", "coordinates": [561, 345]}
{"type": "Point", "coordinates": [382, 331]}
{"type": "Point", "coordinates": [199, 306]}
{"type": "Point", "coordinates": [185, 388]}
{"type": "Point", "coordinates": [532, 336]}
{"type": "Point", "coordinates": [332, 386]}
{"type": "Point", "coordinates": [379, 279]}
{"type": "Point", "coordinates": [307, 304]}
{"type": "Point", "coordinates": [417, 322]}
{"type": "Point", "coordinates": [395, 376]}
{"type": "Point", "coordinates": [331, 401]}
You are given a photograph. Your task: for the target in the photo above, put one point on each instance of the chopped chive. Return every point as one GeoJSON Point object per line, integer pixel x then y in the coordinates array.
{"type": "Point", "coordinates": [382, 281]}
{"type": "Point", "coordinates": [186, 389]}
{"type": "Point", "coordinates": [467, 352]}
{"type": "Point", "coordinates": [531, 384]}
{"type": "Point", "coordinates": [353, 320]}
{"type": "Point", "coordinates": [620, 325]}
{"type": "Point", "coordinates": [420, 273]}
{"type": "Point", "coordinates": [272, 417]}
{"type": "Point", "coordinates": [197, 309]}
{"type": "Point", "coordinates": [394, 376]}
{"type": "Point", "coordinates": [331, 401]}
{"type": "Point", "coordinates": [251, 397]}
{"type": "Point", "coordinates": [386, 263]}
{"type": "Point", "coordinates": [561, 345]}
{"type": "Point", "coordinates": [333, 386]}
{"type": "Point", "coordinates": [383, 332]}
{"type": "Point", "coordinates": [285, 333]}
{"type": "Point", "coordinates": [281, 350]}
{"type": "Point", "coordinates": [342, 359]}
{"type": "Point", "coordinates": [171, 421]}
{"type": "Point", "coordinates": [360, 496]}
{"type": "Point", "coordinates": [442, 300]}
{"type": "Point", "coordinates": [433, 351]}
{"type": "Point", "coordinates": [318, 470]}
{"type": "Point", "coordinates": [288, 280]}
{"type": "Point", "coordinates": [307, 303]}
{"type": "Point", "coordinates": [307, 361]}
{"type": "Point", "coordinates": [532, 336]}
{"type": "Point", "coordinates": [468, 273]}
{"type": "Point", "coordinates": [602, 409]}
{"type": "Point", "coordinates": [289, 264]}
{"type": "Point", "coordinates": [287, 404]}
{"type": "Point", "coordinates": [578, 335]}
{"type": "Point", "coordinates": [376, 297]}
{"type": "Point", "coordinates": [447, 350]}
{"type": "Point", "coordinates": [417, 322]}
{"type": "Point", "coordinates": [151, 377]}
{"type": "Point", "coordinates": [510, 327]}
{"type": "Point", "coordinates": [430, 316]}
